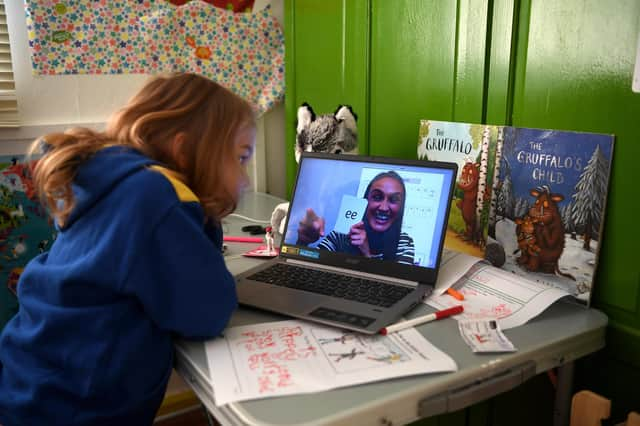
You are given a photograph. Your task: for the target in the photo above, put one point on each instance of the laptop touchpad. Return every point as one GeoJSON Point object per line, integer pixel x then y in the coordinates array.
{"type": "Point", "coordinates": [339, 316]}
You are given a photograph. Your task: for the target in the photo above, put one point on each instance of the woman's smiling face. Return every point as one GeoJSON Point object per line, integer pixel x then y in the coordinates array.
{"type": "Point", "coordinates": [386, 197]}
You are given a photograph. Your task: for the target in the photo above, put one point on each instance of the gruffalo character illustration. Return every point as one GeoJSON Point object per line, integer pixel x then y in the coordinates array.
{"type": "Point", "coordinates": [468, 183]}
{"type": "Point", "coordinates": [549, 233]}
{"type": "Point", "coordinates": [527, 241]}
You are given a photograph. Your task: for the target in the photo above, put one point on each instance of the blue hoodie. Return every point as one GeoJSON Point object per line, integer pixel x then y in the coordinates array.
{"type": "Point", "coordinates": [133, 266]}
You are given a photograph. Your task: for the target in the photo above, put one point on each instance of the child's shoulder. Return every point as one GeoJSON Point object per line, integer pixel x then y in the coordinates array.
{"type": "Point", "coordinates": [182, 191]}
{"type": "Point", "coordinates": [153, 189]}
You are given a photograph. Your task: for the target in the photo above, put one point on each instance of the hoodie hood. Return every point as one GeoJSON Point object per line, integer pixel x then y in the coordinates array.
{"type": "Point", "coordinates": [97, 176]}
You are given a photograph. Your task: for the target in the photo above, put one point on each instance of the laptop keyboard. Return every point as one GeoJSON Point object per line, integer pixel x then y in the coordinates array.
{"type": "Point", "coordinates": [331, 284]}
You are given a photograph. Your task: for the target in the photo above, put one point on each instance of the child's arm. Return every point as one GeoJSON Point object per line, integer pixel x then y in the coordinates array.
{"type": "Point", "coordinates": [214, 231]}
{"type": "Point", "coordinates": [181, 280]}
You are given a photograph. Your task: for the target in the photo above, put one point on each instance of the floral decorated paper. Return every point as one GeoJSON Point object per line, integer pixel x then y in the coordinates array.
{"type": "Point", "coordinates": [233, 5]}
{"type": "Point", "coordinates": [242, 51]}
{"type": "Point", "coordinates": [87, 37]}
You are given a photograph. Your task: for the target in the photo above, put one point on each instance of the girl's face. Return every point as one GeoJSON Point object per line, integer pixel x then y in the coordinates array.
{"type": "Point", "coordinates": [244, 145]}
{"type": "Point", "coordinates": [385, 201]}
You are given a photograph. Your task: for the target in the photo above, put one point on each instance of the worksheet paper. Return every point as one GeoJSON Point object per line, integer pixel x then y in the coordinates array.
{"type": "Point", "coordinates": [453, 266]}
{"type": "Point", "coordinates": [293, 357]}
{"type": "Point", "coordinates": [492, 293]}
{"type": "Point", "coordinates": [485, 336]}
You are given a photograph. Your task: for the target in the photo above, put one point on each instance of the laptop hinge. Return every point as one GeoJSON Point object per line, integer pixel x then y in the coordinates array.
{"type": "Point", "coordinates": [359, 274]}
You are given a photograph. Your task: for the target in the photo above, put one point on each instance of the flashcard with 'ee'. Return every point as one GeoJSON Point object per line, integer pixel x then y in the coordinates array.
{"type": "Point", "coordinates": [351, 212]}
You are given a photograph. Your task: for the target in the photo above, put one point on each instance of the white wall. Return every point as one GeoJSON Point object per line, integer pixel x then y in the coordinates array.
{"type": "Point", "coordinates": [64, 100]}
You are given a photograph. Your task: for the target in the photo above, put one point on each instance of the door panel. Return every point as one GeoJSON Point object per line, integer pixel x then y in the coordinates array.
{"type": "Point", "coordinates": [325, 62]}
{"type": "Point", "coordinates": [413, 62]}
{"type": "Point", "coordinates": [574, 71]}
{"type": "Point", "coordinates": [528, 63]}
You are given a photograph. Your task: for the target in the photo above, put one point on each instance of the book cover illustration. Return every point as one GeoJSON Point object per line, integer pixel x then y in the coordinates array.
{"type": "Point", "coordinates": [474, 148]}
{"type": "Point", "coordinates": [549, 206]}
{"type": "Point", "coordinates": [26, 229]}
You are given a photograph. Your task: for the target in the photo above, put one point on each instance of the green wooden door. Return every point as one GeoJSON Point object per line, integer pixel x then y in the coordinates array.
{"type": "Point", "coordinates": [530, 63]}
{"type": "Point", "coordinates": [573, 70]}
{"type": "Point", "coordinates": [326, 62]}
{"type": "Point", "coordinates": [394, 62]}
{"type": "Point", "coordinates": [427, 61]}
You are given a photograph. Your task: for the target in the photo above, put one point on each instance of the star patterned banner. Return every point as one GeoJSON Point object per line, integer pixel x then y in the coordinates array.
{"type": "Point", "coordinates": [233, 5]}
{"type": "Point", "coordinates": [86, 36]}
{"type": "Point", "coordinates": [242, 51]}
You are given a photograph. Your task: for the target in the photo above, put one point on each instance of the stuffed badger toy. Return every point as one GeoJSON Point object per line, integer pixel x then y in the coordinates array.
{"type": "Point", "coordinates": [336, 133]}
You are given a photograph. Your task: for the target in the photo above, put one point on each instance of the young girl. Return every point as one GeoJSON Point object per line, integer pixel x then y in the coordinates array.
{"type": "Point", "coordinates": [137, 259]}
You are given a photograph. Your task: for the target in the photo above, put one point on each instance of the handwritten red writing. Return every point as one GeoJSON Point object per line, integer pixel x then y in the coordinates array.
{"type": "Point", "coordinates": [468, 292]}
{"type": "Point", "coordinates": [291, 351]}
{"type": "Point", "coordinates": [271, 351]}
{"type": "Point", "coordinates": [257, 340]}
{"type": "Point", "coordinates": [272, 374]}
{"type": "Point", "coordinates": [501, 310]}
{"type": "Point", "coordinates": [482, 277]}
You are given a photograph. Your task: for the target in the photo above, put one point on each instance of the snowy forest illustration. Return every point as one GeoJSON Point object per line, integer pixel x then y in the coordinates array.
{"type": "Point", "coordinates": [580, 191]}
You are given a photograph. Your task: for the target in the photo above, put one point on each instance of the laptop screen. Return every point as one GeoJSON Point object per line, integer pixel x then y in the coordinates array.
{"type": "Point", "coordinates": [385, 216]}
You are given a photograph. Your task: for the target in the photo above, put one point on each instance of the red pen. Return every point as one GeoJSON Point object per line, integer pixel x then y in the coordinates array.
{"type": "Point", "coordinates": [421, 320]}
{"type": "Point", "coordinates": [231, 239]}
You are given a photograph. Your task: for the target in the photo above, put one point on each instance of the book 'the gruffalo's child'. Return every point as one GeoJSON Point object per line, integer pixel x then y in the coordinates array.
{"type": "Point", "coordinates": [550, 196]}
{"type": "Point", "coordinates": [473, 147]}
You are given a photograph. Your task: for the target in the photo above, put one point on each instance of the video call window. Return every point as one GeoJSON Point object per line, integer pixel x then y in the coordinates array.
{"type": "Point", "coordinates": [401, 216]}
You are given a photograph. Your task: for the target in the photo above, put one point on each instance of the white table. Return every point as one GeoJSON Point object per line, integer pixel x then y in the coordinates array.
{"type": "Point", "coordinates": [560, 335]}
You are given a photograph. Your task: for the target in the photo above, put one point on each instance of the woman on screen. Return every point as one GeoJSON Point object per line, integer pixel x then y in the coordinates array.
{"type": "Point", "coordinates": [379, 234]}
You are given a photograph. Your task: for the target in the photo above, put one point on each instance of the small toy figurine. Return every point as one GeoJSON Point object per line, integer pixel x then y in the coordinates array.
{"type": "Point", "coordinates": [268, 250]}
{"type": "Point", "coordinates": [268, 237]}
{"type": "Point", "coordinates": [336, 133]}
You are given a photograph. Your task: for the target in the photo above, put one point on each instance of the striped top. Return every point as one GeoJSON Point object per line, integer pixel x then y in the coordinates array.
{"type": "Point", "coordinates": [339, 242]}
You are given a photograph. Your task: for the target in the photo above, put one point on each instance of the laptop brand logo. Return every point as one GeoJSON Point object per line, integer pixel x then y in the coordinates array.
{"type": "Point", "coordinates": [309, 253]}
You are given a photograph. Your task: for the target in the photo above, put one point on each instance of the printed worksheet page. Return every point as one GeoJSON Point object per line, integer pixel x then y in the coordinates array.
{"type": "Point", "coordinates": [291, 357]}
{"type": "Point", "coordinates": [492, 293]}
{"type": "Point", "coordinates": [453, 266]}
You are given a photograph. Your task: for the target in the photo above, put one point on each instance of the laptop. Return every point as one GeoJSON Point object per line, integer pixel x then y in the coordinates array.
{"type": "Point", "coordinates": [400, 207]}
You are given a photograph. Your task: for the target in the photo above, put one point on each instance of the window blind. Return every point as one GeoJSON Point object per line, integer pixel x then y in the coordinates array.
{"type": "Point", "coordinates": [8, 101]}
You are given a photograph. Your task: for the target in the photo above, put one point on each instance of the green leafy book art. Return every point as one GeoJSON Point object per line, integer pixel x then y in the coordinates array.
{"type": "Point", "coordinates": [543, 213]}
{"type": "Point", "coordinates": [26, 229]}
{"type": "Point", "coordinates": [473, 147]}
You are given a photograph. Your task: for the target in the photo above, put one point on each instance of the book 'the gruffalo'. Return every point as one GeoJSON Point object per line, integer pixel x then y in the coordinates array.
{"type": "Point", "coordinates": [550, 196]}
{"type": "Point", "coordinates": [473, 147]}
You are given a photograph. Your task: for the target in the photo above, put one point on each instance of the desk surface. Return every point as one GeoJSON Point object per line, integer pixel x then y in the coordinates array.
{"type": "Point", "coordinates": [561, 334]}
